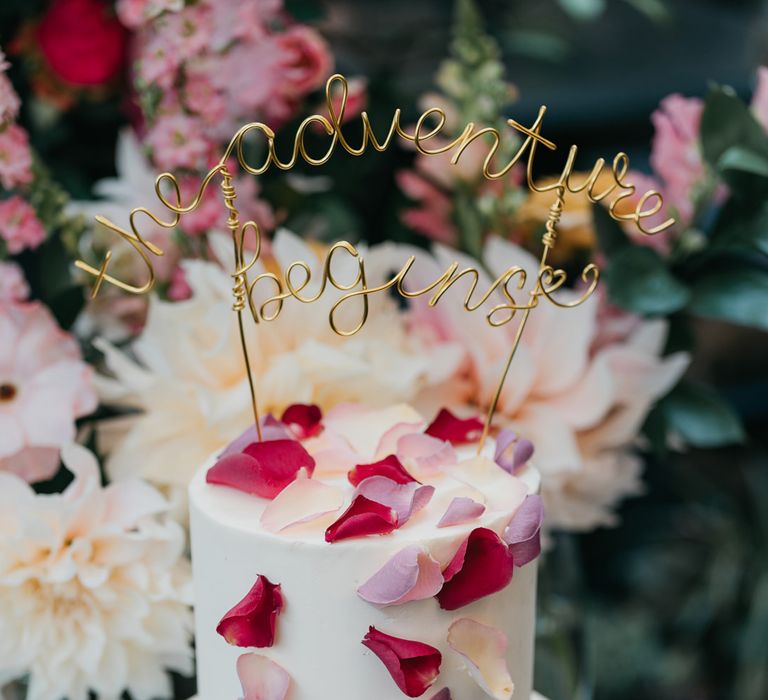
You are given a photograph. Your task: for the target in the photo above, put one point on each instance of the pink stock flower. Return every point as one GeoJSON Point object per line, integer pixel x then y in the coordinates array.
{"type": "Point", "coordinates": [9, 100]}
{"type": "Point", "coordinates": [19, 226]}
{"type": "Point", "coordinates": [432, 216]}
{"type": "Point", "coordinates": [13, 286]}
{"type": "Point", "coordinates": [203, 97]}
{"type": "Point", "coordinates": [179, 288]}
{"type": "Point", "coordinates": [15, 157]}
{"type": "Point", "coordinates": [134, 13]}
{"type": "Point", "coordinates": [190, 30]}
{"type": "Point", "coordinates": [179, 142]}
{"type": "Point", "coordinates": [760, 98]}
{"type": "Point", "coordinates": [675, 153]}
{"type": "Point", "coordinates": [44, 387]}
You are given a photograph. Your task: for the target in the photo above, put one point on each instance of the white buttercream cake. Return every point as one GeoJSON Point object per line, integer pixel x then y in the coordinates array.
{"type": "Point", "coordinates": [382, 558]}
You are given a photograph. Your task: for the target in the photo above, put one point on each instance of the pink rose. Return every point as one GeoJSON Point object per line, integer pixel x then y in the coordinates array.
{"type": "Point", "coordinates": [44, 387]}
{"type": "Point", "coordinates": [13, 286]}
{"type": "Point", "coordinates": [307, 61]}
{"type": "Point", "coordinates": [675, 154]}
{"type": "Point", "coordinates": [19, 226]}
{"type": "Point", "coordinates": [15, 157]}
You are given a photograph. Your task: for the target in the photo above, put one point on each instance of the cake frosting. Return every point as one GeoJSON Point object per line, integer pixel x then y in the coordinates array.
{"type": "Point", "coordinates": [337, 595]}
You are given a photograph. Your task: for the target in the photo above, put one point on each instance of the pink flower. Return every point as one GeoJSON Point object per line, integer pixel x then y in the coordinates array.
{"type": "Point", "coordinates": [9, 100]}
{"type": "Point", "coordinates": [179, 288]}
{"type": "Point", "coordinates": [306, 60]}
{"type": "Point", "coordinates": [134, 13]}
{"type": "Point", "coordinates": [15, 157]}
{"type": "Point", "coordinates": [760, 98]}
{"type": "Point", "coordinates": [432, 216]}
{"type": "Point", "coordinates": [179, 142]}
{"type": "Point", "coordinates": [13, 286]}
{"type": "Point", "coordinates": [190, 30]}
{"type": "Point", "coordinates": [19, 226]}
{"type": "Point", "coordinates": [675, 153]}
{"type": "Point", "coordinates": [203, 97]}
{"type": "Point", "coordinates": [44, 387]}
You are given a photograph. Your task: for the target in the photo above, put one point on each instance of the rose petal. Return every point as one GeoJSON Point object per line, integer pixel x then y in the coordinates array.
{"type": "Point", "coordinates": [504, 492]}
{"type": "Point", "coordinates": [447, 426]}
{"type": "Point", "coordinates": [484, 650]}
{"type": "Point", "coordinates": [482, 565]}
{"type": "Point", "coordinates": [414, 666]}
{"type": "Point", "coordinates": [300, 502]}
{"type": "Point", "coordinates": [409, 575]}
{"type": "Point", "coordinates": [461, 510]}
{"type": "Point", "coordinates": [523, 534]}
{"type": "Point", "coordinates": [388, 443]}
{"type": "Point", "coordinates": [424, 453]}
{"type": "Point", "coordinates": [271, 429]}
{"type": "Point", "coordinates": [363, 517]}
{"type": "Point", "coordinates": [251, 623]}
{"type": "Point", "coordinates": [261, 678]}
{"type": "Point", "coordinates": [443, 694]}
{"type": "Point", "coordinates": [263, 469]}
{"type": "Point", "coordinates": [304, 420]}
{"type": "Point", "coordinates": [405, 499]}
{"type": "Point", "coordinates": [512, 453]}
{"type": "Point", "coordinates": [389, 467]}
{"type": "Point", "coordinates": [333, 455]}
{"type": "Point", "coordinates": [363, 427]}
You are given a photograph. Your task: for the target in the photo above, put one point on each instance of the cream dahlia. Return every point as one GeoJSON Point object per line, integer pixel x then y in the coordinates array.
{"type": "Point", "coordinates": [94, 589]}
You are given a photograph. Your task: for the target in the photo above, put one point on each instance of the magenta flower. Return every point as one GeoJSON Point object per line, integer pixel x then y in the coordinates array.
{"type": "Point", "coordinates": [44, 387]}
{"type": "Point", "coordinates": [19, 226]}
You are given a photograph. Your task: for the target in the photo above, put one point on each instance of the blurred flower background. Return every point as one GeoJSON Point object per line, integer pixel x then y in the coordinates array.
{"type": "Point", "coordinates": [648, 405]}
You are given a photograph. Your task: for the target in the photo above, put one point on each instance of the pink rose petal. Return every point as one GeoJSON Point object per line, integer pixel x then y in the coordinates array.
{"type": "Point", "coordinates": [261, 678]}
{"type": "Point", "coordinates": [461, 510]}
{"type": "Point", "coordinates": [443, 694]}
{"type": "Point", "coordinates": [251, 623]}
{"type": "Point", "coordinates": [389, 467]}
{"type": "Point", "coordinates": [263, 468]}
{"type": "Point", "coordinates": [409, 575]}
{"type": "Point", "coordinates": [302, 501]}
{"type": "Point", "coordinates": [481, 566]}
{"type": "Point", "coordinates": [523, 534]}
{"type": "Point", "coordinates": [447, 426]}
{"type": "Point", "coordinates": [364, 517]}
{"type": "Point", "coordinates": [271, 429]}
{"type": "Point", "coordinates": [512, 452]}
{"type": "Point", "coordinates": [304, 420]}
{"type": "Point", "coordinates": [388, 443]}
{"type": "Point", "coordinates": [484, 650]}
{"type": "Point", "coordinates": [424, 453]}
{"type": "Point", "coordinates": [405, 499]}
{"type": "Point", "coordinates": [414, 666]}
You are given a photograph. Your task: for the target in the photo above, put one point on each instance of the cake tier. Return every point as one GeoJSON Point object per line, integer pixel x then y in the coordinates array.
{"type": "Point", "coordinates": [323, 622]}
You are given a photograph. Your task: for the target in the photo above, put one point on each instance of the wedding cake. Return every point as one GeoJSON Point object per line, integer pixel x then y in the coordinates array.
{"type": "Point", "coordinates": [366, 553]}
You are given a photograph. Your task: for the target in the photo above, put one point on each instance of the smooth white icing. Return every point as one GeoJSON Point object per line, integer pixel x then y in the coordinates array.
{"type": "Point", "coordinates": [323, 621]}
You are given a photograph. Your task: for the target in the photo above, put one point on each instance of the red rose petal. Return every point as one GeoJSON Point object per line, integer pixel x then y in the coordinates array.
{"type": "Point", "coordinates": [304, 420]}
{"type": "Point", "coordinates": [481, 566]}
{"type": "Point", "coordinates": [446, 426]}
{"type": "Point", "coordinates": [251, 623]}
{"type": "Point", "coordinates": [363, 517]}
{"type": "Point", "coordinates": [391, 467]}
{"type": "Point", "coordinates": [263, 468]}
{"type": "Point", "coordinates": [414, 666]}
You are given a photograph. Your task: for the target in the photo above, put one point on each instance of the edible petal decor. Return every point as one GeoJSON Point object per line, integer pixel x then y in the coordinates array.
{"type": "Point", "coordinates": [303, 420]}
{"type": "Point", "coordinates": [363, 517]}
{"type": "Point", "coordinates": [461, 509]}
{"type": "Point", "coordinates": [389, 467]}
{"type": "Point", "coordinates": [404, 499]}
{"type": "Point", "coordinates": [482, 565]}
{"type": "Point", "coordinates": [444, 694]}
{"type": "Point", "coordinates": [261, 678]}
{"type": "Point", "coordinates": [301, 501]}
{"type": "Point", "coordinates": [484, 649]}
{"type": "Point", "coordinates": [458, 431]}
{"type": "Point", "coordinates": [414, 666]}
{"type": "Point", "coordinates": [512, 452]}
{"type": "Point", "coordinates": [271, 429]}
{"type": "Point", "coordinates": [263, 468]}
{"type": "Point", "coordinates": [251, 623]}
{"type": "Point", "coordinates": [424, 453]}
{"type": "Point", "coordinates": [523, 534]}
{"type": "Point", "coordinates": [412, 574]}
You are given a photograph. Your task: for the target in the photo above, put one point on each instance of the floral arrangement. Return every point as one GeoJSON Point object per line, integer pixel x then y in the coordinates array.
{"type": "Point", "coordinates": [108, 373]}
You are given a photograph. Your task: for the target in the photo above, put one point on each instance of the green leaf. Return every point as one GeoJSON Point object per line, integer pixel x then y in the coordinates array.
{"type": "Point", "coordinates": [727, 123]}
{"type": "Point", "coordinates": [701, 417]}
{"type": "Point", "coordinates": [738, 295]}
{"type": "Point", "coordinates": [639, 281]}
{"type": "Point", "coordinates": [610, 235]}
{"type": "Point", "coordinates": [740, 227]}
{"type": "Point", "coordinates": [743, 160]}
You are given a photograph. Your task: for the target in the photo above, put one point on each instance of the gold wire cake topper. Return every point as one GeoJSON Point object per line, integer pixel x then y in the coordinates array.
{"type": "Point", "coordinates": [428, 126]}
